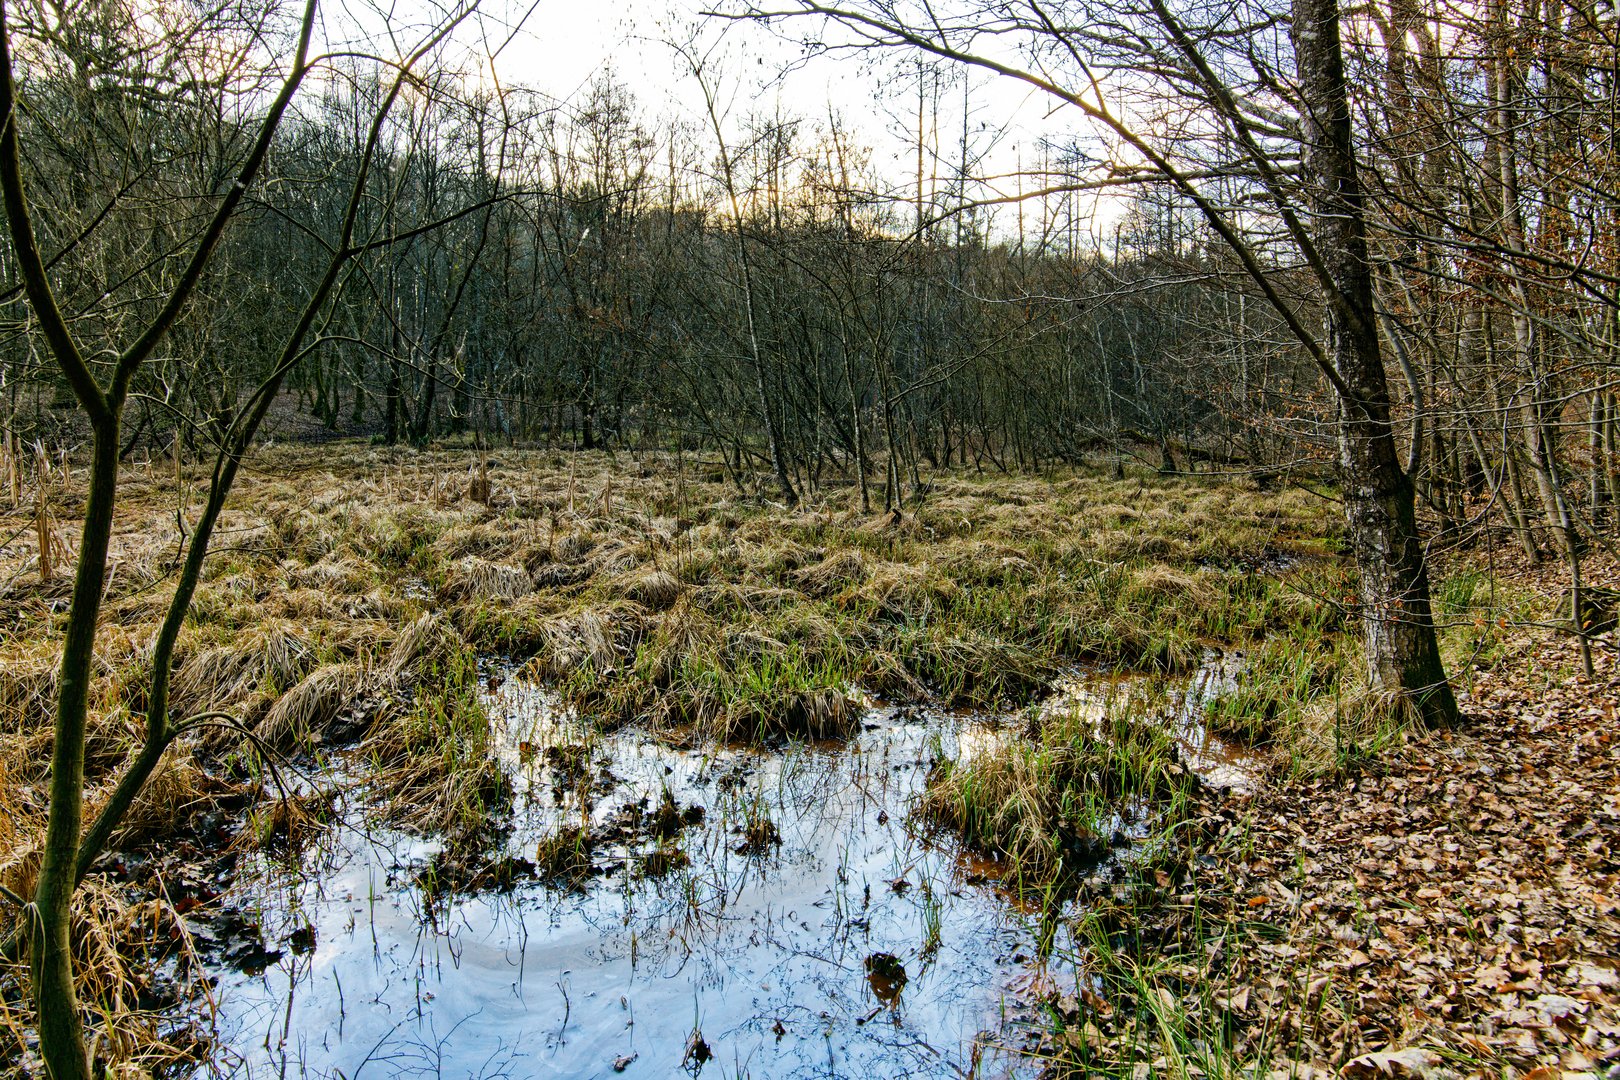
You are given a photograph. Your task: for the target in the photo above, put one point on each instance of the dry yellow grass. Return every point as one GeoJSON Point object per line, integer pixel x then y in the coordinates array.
{"type": "Point", "coordinates": [304, 711]}
{"type": "Point", "coordinates": [430, 638]}
{"type": "Point", "coordinates": [474, 579]}
{"type": "Point", "coordinates": [359, 579]}
{"type": "Point", "coordinates": [655, 589]}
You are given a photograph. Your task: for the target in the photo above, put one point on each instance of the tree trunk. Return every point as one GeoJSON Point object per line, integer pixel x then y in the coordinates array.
{"type": "Point", "coordinates": [855, 428]}
{"type": "Point", "coordinates": [1403, 655]}
{"type": "Point", "coordinates": [61, 1030]}
{"type": "Point", "coordinates": [391, 414]}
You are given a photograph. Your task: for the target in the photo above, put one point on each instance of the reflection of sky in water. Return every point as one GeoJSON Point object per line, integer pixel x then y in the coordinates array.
{"type": "Point", "coordinates": [1181, 701]}
{"type": "Point", "coordinates": [766, 955]}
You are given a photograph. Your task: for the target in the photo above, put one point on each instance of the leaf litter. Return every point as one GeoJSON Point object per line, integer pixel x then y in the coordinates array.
{"type": "Point", "coordinates": [1448, 909]}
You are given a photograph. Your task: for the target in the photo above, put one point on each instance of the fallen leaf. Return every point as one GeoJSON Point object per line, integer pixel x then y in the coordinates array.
{"type": "Point", "coordinates": [1593, 975]}
{"type": "Point", "coordinates": [1556, 1005]}
{"type": "Point", "coordinates": [1412, 1061]}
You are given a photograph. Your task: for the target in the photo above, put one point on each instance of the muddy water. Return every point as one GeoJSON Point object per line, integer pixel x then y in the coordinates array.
{"type": "Point", "coordinates": [836, 940]}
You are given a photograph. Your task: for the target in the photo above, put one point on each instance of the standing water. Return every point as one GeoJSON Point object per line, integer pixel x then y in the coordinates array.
{"type": "Point", "coordinates": [740, 912]}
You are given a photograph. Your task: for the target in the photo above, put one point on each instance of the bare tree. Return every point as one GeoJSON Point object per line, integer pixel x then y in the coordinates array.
{"type": "Point", "coordinates": [1324, 223]}
{"type": "Point", "coordinates": [69, 849]}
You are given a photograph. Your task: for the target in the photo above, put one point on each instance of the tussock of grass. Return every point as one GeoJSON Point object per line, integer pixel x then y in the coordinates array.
{"type": "Point", "coordinates": [574, 547]}
{"type": "Point", "coordinates": [684, 632]}
{"type": "Point", "coordinates": [474, 579]}
{"type": "Point", "coordinates": [336, 575]}
{"type": "Point", "coordinates": [301, 605]}
{"type": "Point", "coordinates": [654, 589]}
{"type": "Point", "coordinates": [28, 690]}
{"type": "Point", "coordinates": [897, 592]}
{"type": "Point", "coordinates": [988, 563]}
{"type": "Point", "coordinates": [302, 713]}
{"type": "Point", "coordinates": [751, 688]}
{"type": "Point", "coordinates": [598, 637]}
{"type": "Point", "coordinates": [1170, 583]}
{"type": "Point", "coordinates": [19, 866]}
{"type": "Point", "coordinates": [1047, 801]}
{"type": "Point", "coordinates": [565, 857]}
{"type": "Point", "coordinates": [799, 713]}
{"type": "Point", "coordinates": [976, 669]}
{"type": "Point", "coordinates": [833, 573]}
{"type": "Point", "coordinates": [615, 557]}
{"type": "Point", "coordinates": [428, 640]}
{"type": "Point", "coordinates": [732, 599]}
{"type": "Point", "coordinates": [264, 659]}
{"type": "Point", "coordinates": [380, 605]}
{"type": "Point", "coordinates": [432, 765]}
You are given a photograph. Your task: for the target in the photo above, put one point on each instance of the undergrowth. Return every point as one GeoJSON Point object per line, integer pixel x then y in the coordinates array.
{"type": "Point", "coordinates": [340, 622]}
{"type": "Point", "coordinates": [1052, 800]}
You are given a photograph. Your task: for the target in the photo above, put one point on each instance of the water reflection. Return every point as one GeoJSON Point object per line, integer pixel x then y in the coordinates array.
{"type": "Point", "coordinates": [760, 954]}
{"type": "Point", "coordinates": [846, 943]}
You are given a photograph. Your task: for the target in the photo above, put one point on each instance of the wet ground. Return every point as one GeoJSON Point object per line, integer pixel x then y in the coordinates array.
{"type": "Point", "coordinates": [737, 912]}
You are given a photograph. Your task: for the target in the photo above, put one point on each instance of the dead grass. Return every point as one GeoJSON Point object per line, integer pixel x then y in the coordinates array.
{"type": "Point", "coordinates": [833, 573]}
{"type": "Point", "coordinates": [308, 709]}
{"type": "Point", "coordinates": [428, 640]}
{"type": "Point", "coordinates": [345, 610]}
{"type": "Point", "coordinates": [476, 579]}
{"type": "Point", "coordinates": [181, 790]}
{"type": "Point", "coordinates": [654, 589]}
{"type": "Point", "coordinates": [265, 659]}
{"type": "Point", "coordinates": [1047, 801]}
{"type": "Point", "coordinates": [27, 690]}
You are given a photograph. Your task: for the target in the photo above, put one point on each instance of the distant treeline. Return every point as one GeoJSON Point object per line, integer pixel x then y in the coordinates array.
{"type": "Point", "coordinates": [576, 276]}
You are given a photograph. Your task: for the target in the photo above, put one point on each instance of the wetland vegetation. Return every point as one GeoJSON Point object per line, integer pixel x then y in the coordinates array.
{"type": "Point", "coordinates": [622, 691]}
{"type": "Point", "coordinates": [671, 570]}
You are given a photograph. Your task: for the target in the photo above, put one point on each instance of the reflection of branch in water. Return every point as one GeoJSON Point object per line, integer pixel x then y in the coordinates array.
{"type": "Point", "coordinates": [427, 1057]}
{"type": "Point", "coordinates": [568, 1010]}
{"type": "Point", "coordinates": [777, 1024]}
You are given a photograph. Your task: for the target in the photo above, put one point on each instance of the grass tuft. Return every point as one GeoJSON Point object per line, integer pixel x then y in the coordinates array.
{"type": "Point", "coordinates": [1052, 802]}
{"type": "Point", "coordinates": [303, 713]}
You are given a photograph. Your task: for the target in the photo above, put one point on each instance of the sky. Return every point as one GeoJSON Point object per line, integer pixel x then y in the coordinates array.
{"type": "Point", "coordinates": [565, 44]}
{"type": "Point", "coordinates": [562, 45]}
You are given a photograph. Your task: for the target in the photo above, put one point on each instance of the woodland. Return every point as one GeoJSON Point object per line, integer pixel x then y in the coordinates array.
{"type": "Point", "coordinates": [508, 580]}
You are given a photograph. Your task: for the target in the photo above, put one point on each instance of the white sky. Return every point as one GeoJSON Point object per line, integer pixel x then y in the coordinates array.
{"type": "Point", "coordinates": [564, 44]}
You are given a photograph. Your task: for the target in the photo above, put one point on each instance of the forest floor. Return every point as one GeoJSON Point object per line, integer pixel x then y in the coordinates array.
{"type": "Point", "coordinates": [1385, 902]}
{"type": "Point", "coordinates": [1449, 907]}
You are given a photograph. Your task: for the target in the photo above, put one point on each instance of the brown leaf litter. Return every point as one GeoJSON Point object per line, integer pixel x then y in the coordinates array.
{"type": "Point", "coordinates": [1451, 910]}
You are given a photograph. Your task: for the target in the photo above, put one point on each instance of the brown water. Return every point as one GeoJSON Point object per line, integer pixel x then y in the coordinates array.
{"type": "Point", "coordinates": [841, 941]}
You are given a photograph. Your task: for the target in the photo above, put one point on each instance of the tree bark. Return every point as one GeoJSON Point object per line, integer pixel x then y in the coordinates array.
{"type": "Point", "coordinates": [61, 1030]}
{"type": "Point", "coordinates": [1403, 654]}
